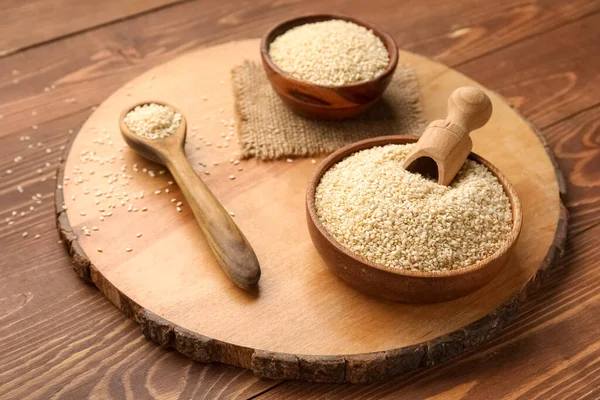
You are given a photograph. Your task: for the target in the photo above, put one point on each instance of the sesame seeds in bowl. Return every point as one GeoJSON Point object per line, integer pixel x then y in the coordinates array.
{"type": "Point", "coordinates": [330, 53]}
{"type": "Point", "coordinates": [321, 81]}
{"type": "Point", "coordinates": [403, 220]}
{"type": "Point", "coordinates": [392, 234]}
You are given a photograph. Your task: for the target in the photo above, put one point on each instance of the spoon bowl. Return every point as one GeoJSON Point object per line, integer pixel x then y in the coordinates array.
{"type": "Point", "coordinates": [156, 150]}
{"type": "Point", "coordinates": [229, 245]}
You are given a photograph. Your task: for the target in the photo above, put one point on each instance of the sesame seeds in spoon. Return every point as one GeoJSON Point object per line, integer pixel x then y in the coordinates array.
{"type": "Point", "coordinates": [157, 131]}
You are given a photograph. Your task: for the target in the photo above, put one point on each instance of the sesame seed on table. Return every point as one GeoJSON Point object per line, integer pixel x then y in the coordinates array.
{"type": "Point", "coordinates": [61, 337]}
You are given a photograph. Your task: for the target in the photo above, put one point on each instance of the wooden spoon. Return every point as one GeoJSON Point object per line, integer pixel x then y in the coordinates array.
{"type": "Point", "coordinates": [228, 243]}
{"type": "Point", "coordinates": [445, 145]}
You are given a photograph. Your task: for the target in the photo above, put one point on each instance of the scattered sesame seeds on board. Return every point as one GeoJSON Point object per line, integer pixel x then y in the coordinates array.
{"type": "Point", "coordinates": [152, 121]}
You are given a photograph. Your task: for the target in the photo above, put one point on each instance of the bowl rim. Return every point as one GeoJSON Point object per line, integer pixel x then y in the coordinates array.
{"type": "Point", "coordinates": [342, 153]}
{"type": "Point", "coordinates": [386, 38]}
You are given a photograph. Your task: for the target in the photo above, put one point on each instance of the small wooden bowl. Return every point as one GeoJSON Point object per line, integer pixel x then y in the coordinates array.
{"type": "Point", "coordinates": [326, 102]}
{"type": "Point", "coordinates": [397, 284]}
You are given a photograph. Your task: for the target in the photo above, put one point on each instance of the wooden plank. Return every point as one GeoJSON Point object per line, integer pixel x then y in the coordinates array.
{"type": "Point", "coordinates": [25, 23]}
{"type": "Point", "coordinates": [549, 77]}
{"type": "Point", "coordinates": [576, 144]}
{"type": "Point", "coordinates": [531, 359]}
{"type": "Point", "coordinates": [88, 67]}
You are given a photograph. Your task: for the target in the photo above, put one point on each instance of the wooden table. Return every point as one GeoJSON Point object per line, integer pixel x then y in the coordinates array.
{"type": "Point", "coordinates": [60, 337]}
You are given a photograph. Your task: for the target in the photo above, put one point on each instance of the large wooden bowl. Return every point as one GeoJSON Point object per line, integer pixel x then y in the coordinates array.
{"type": "Point", "coordinates": [326, 102]}
{"type": "Point", "coordinates": [398, 284]}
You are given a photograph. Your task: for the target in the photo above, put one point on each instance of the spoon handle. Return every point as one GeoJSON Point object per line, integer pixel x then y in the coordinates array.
{"type": "Point", "coordinates": [228, 243]}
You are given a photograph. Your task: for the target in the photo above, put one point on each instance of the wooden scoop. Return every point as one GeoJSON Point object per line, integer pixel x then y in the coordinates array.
{"type": "Point", "coordinates": [444, 146]}
{"type": "Point", "coordinates": [230, 247]}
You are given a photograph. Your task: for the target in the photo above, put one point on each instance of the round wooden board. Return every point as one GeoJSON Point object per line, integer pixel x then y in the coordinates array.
{"type": "Point", "coordinates": [303, 323]}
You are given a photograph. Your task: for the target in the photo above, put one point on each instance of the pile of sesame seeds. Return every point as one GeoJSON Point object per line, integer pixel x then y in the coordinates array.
{"type": "Point", "coordinates": [152, 121]}
{"type": "Point", "coordinates": [331, 53]}
{"type": "Point", "coordinates": [380, 211]}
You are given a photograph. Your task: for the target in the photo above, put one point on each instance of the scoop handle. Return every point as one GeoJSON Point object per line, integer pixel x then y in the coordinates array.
{"type": "Point", "coordinates": [445, 144]}
{"type": "Point", "coordinates": [469, 108]}
{"type": "Point", "coordinates": [228, 243]}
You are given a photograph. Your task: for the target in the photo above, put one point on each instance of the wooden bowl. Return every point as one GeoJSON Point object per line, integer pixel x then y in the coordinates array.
{"type": "Point", "coordinates": [326, 102]}
{"type": "Point", "coordinates": [397, 284]}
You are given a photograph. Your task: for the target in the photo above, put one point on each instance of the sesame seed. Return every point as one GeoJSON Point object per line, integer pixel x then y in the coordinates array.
{"type": "Point", "coordinates": [99, 250]}
{"type": "Point", "coordinates": [377, 209]}
{"type": "Point", "coordinates": [128, 249]}
{"type": "Point", "coordinates": [232, 177]}
{"type": "Point", "coordinates": [25, 234]}
{"type": "Point", "coordinates": [331, 53]}
{"type": "Point", "coordinates": [152, 121]}
{"type": "Point", "coordinates": [138, 235]}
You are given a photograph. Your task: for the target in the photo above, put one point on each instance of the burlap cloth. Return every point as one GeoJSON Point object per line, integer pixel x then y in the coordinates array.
{"type": "Point", "coordinates": [269, 130]}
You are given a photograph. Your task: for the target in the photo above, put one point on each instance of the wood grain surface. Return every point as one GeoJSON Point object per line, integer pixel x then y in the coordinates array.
{"type": "Point", "coordinates": [25, 23]}
{"type": "Point", "coordinates": [524, 50]}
